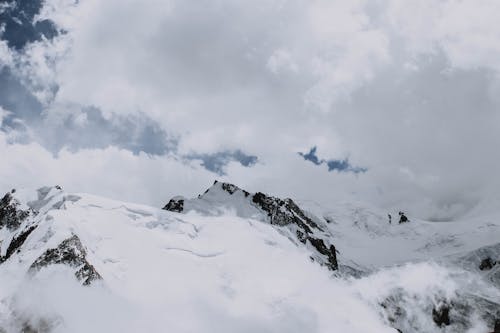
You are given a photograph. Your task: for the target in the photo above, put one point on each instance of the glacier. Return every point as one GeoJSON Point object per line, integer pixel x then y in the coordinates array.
{"type": "Point", "coordinates": [233, 261]}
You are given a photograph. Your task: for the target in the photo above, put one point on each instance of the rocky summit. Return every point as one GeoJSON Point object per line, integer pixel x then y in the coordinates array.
{"type": "Point", "coordinates": [279, 212]}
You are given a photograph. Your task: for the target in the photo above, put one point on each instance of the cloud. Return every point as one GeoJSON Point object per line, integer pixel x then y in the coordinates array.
{"type": "Point", "coordinates": [203, 79]}
{"type": "Point", "coordinates": [112, 172]}
{"type": "Point", "coordinates": [408, 91]}
{"type": "Point", "coordinates": [466, 31]}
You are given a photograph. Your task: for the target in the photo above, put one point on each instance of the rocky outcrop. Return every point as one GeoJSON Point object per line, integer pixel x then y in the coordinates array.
{"type": "Point", "coordinates": [175, 205]}
{"type": "Point", "coordinates": [286, 212]}
{"type": "Point", "coordinates": [441, 314]}
{"type": "Point", "coordinates": [283, 212]}
{"type": "Point", "coordinates": [329, 252]}
{"type": "Point", "coordinates": [70, 252]}
{"type": "Point", "coordinates": [22, 223]}
{"type": "Point", "coordinates": [230, 188]}
{"type": "Point", "coordinates": [17, 242]}
{"type": "Point", "coordinates": [487, 264]}
{"type": "Point", "coordinates": [11, 216]}
{"type": "Point", "coordinates": [496, 329]}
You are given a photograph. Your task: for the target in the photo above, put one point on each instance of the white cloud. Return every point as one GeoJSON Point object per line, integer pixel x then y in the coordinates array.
{"type": "Point", "coordinates": [197, 66]}
{"type": "Point", "coordinates": [6, 58]}
{"type": "Point", "coordinates": [281, 60]}
{"type": "Point", "coordinates": [110, 172]}
{"type": "Point", "coordinates": [467, 31]}
{"type": "Point", "coordinates": [408, 90]}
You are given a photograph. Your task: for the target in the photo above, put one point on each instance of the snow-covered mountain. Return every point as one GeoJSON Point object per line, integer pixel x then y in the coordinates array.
{"type": "Point", "coordinates": [234, 261]}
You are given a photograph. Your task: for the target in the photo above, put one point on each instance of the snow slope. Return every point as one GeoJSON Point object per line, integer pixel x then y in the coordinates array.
{"type": "Point", "coordinates": [223, 264]}
{"type": "Point", "coordinates": [363, 234]}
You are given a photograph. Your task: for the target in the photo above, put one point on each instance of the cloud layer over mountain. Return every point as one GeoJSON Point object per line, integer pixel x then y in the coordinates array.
{"type": "Point", "coordinates": [136, 99]}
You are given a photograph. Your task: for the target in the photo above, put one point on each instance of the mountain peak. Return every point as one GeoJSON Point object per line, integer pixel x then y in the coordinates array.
{"type": "Point", "coordinates": [226, 188]}
{"type": "Point", "coordinates": [220, 197]}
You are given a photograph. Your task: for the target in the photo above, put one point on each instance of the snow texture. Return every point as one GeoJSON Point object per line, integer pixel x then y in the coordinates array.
{"type": "Point", "coordinates": [234, 261]}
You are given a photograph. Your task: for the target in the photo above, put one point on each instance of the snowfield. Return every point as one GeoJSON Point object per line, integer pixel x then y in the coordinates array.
{"type": "Point", "coordinates": [222, 264]}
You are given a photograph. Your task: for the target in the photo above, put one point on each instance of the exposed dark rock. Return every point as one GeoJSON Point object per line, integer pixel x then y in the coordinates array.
{"type": "Point", "coordinates": [283, 212]}
{"type": "Point", "coordinates": [286, 212]}
{"type": "Point", "coordinates": [496, 329]}
{"type": "Point", "coordinates": [230, 188]}
{"type": "Point", "coordinates": [10, 214]}
{"type": "Point", "coordinates": [487, 264]}
{"type": "Point", "coordinates": [403, 218]}
{"type": "Point", "coordinates": [72, 253]}
{"type": "Point", "coordinates": [175, 205]}
{"type": "Point", "coordinates": [441, 314]}
{"type": "Point", "coordinates": [17, 242]}
{"type": "Point", "coordinates": [330, 253]}
{"type": "Point", "coordinates": [301, 236]}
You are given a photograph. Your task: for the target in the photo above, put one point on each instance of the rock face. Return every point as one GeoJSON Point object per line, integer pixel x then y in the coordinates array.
{"type": "Point", "coordinates": [20, 220]}
{"type": "Point", "coordinates": [487, 264]}
{"type": "Point", "coordinates": [441, 314]}
{"type": "Point", "coordinates": [329, 252]}
{"type": "Point", "coordinates": [277, 211]}
{"type": "Point", "coordinates": [17, 242]}
{"type": "Point", "coordinates": [175, 205]}
{"type": "Point", "coordinates": [11, 216]}
{"type": "Point", "coordinates": [72, 253]}
{"type": "Point", "coordinates": [230, 188]}
{"type": "Point", "coordinates": [283, 212]}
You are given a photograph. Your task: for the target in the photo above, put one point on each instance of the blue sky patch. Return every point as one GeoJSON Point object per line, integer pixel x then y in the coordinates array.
{"type": "Point", "coordinates": [217, 162]}
{"type": "Point", "coordinates": [332, 164]}
{"type": "Point", "coordinates": [18, 21]}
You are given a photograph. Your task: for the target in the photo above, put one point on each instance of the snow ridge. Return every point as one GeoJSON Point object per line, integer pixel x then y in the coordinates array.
{"type": "Point", "coordinates": [278, 212]}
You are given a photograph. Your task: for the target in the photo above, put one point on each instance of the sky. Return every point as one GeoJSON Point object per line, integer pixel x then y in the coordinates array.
{"type": "Point", "coordinates": [391, 103]}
